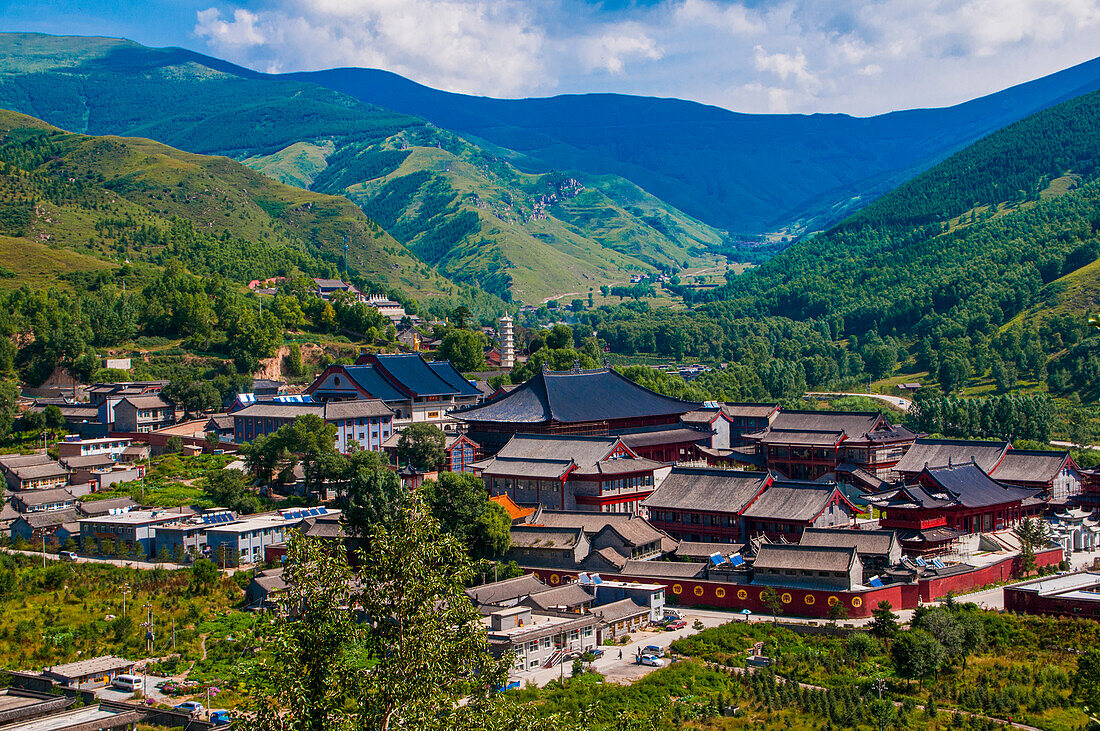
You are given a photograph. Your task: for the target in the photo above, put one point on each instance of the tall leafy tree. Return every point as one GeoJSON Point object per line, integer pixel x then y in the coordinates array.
{"type": "Point", "coordinates": [461, 504]}
{"type": "Point", "coordinates": [421, 446]}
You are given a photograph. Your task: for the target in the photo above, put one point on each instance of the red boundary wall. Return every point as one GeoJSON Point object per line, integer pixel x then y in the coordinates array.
{"type": "Point", "coordinates": [1005, 570]}
{"type": "Point", "coordinates": [160, 441]}
{"type": "Point", "coordinates": [816, 602]}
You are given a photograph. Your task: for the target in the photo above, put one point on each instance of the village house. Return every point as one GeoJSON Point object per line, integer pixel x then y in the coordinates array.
{"type": "Point", "coordinates": [730, 506]}
{"type": "Point", "coordinates": [415, 389]}
{"type": "Point", "coordinates": [363, 424]}
{"type": "Point", "coordinates": [137, 414]}
{"type": "Point", "coordinates": [134, 529]}
{"type": "Point", "coordinates": [54, 527]}
{"type": "Point", "coordinates": [810, 567]}
{"type": "Point", "coordinates": [571, 473]}
{"type": "Point", "coordinates": [41, 501]}
{"type": "Point", "coordinates": [40, 476]}
{"type": "Point", "coordinates": [111, 447]}
{"type": "Point", "coordinates": [878, 550]}
{"type": "Point", "coordinates": [106, 396]}
{"type": "Point", "coordinates": [539, 639]}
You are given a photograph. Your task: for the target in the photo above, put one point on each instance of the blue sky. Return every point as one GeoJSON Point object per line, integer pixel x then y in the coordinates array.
{"type": "Point", "coordinates": [856, 56]}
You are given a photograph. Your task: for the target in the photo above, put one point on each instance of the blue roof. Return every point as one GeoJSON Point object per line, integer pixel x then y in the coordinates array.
{"type": "Point", "coordinates": [373, 383]}
{"type": "Point", "coordinates": [452, 377]}
{"type": "Point", "coordinates": [418, 376]}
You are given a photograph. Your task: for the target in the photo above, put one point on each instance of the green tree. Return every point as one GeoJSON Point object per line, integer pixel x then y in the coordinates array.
{"type": "Point", "coordinates": [33, 421]}
{"type": "Point", "coordinates": [460, 502]}
{"type": "Point", "coordinates": [372, 496]}
{"type": "Point", "coordinates": [213, 440]}
{"type": "Point", "coordinates": [917, 655]}
{"type": "Point", "coordinates": [204, 575]}
{"type": "Point", "coordinates": [773, 602]}
{"type": "Point", "coordinates": [421, 445]}
{"type": "Point", "coordinates": [460, 315]}
{"type": "Point", "coordinates": [953, 373]}
{"type": "Point", "coordinates": [314, 659]}
{"type": "Point", "coordinates": [293, 361]}
{"type": "Point", "coordinates": [1086, 683]}
{"type": "Point", "coordinates": [230, 489]}
{"type": "Point", "coordinates": [1032, 533]}
{"type": "Point", "coordinates": [464, 348]}
{"type": "Point", "coordinates": [837, 612]}
{"type": "Point", "coordinates": [54, 418]}
{"type": "Point", "coordinates": [559, 336]}
{"type": "Point", "coordinates": [884, 623]}
{"type": "Point", "coordinates": [173, 445]}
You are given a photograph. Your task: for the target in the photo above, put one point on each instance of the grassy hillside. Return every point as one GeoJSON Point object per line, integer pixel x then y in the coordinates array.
{"type": "Point", "coordinates": [79, 202]}
{"type": "Point", "coordinates": [470, 214]}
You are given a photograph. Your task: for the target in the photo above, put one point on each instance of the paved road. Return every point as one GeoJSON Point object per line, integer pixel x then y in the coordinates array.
{"type": "Point", "coordinates": [896, 401]}
{"type": "Point", "coordinates": [127, 563]}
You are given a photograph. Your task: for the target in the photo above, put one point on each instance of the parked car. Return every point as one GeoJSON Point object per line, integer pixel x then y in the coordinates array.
{"type": "Point", "coordinates": [68, 556]}
{"type": "Point", "coordinates": [653, 650]}
{"type": "Point", "coordinates": [672, 613]}
{"type": "Point", "coordinates": [220, 717]}
{"type": "Point", "coordinates": [653, 662]}
{"type": "Point", "coordinates": [127, 682]}
{"type": "Point", "coordinates": [673, 626]}
{"type": "Point", "coordinates": [191, 707]}
{"type": "Point", "coordinates": [596, 653]}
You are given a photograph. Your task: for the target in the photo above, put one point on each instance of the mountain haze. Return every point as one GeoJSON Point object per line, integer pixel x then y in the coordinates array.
{"type": "Point", "coordinates": [746, 173]}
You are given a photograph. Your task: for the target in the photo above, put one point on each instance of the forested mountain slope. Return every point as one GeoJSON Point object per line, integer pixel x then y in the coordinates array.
{"type": "Point", "coordinates": [747, 173]}
{"type": "Point", "coordinates": [465, 211]}
{"type": "Point", "coordinates": [117, 199]}
{"type": "Point", "coordinates": [981, 270]}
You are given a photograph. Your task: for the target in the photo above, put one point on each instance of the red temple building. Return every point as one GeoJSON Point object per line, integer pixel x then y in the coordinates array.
{"type": "Point", "coordinates": [728, 506]}
{"type": "Point", "coordinates": [947, 502]}
{"type": "Point", "coordinates": [805, 445]}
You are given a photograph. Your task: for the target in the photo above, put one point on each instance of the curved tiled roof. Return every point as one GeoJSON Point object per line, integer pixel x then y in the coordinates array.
{"type": "Point", "coordinates": [935, 453]}
{"type": "Point", "coordinates": [576, 396]}
{"type": "Point", "coordinates": [791, 501]}
{"type": "Point", "coordinates": [716, 490]}
{"type": "Point", "coordinates": [1025, 465]}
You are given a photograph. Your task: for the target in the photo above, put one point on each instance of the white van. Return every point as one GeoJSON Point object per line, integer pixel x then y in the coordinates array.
{"type": "Point", "coordinates": [127, 682]}
{"type": "Point", "coordinates": [672, 614]}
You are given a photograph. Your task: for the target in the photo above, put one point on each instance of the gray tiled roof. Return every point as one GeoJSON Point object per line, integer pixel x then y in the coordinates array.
{"type": "Point", "coordinates": [567, 595]}
{"type": "Point", "coordinates": [942, 452]}
{"type": "Point", "coordinates": [869, 542]}
{"type": "Point", "coordinates": [507, 590]}
{"type": "Point", "coordinates": [816, 558]}
{"type": "Point", "coordinates": [717, 490]}
{"type": "Point", "coordinates": [575, 396]}
{"type": "Point", "coordinates": [537, 537]}
{"type": "Point", "coordinates": [791, 501]}
{"type": "Point", "coordinates": [622, 609]}
{"type": "Point", "coordinates": [664, 569]}
{"type": "Point", "coordinates": [1022, 465]}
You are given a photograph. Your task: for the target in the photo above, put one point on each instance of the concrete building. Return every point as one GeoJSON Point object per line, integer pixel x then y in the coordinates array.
{"type": "Point", "coordinates": [539, 639]}
{"type": "Point", "coordinates": [132, 529]}
{"type": "Point", "coordinates": [143, 414]}
{"type": "Point", "coordinates": [111, 447]}
{"type": "Point", "coordinates": [1068, 595]}
{"type": "Point", "coordinates": [92, 672]}
{"type": "Point", "coordinates": [363, 424]}
{"type": "Point", "coordinates": [42, 501]}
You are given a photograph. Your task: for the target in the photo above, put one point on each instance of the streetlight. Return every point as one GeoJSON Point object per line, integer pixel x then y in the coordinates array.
{"type": "Point", "coordinates": [125, 591]}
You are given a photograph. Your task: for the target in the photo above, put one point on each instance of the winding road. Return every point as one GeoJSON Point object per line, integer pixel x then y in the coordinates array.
{"type": "Point", "coordinates": [896, 401]}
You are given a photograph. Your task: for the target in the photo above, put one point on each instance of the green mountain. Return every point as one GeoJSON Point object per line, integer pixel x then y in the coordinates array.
{"type": "Point", "coordinates": [458, 207]}
{"type": "Point", "coordinates": [977, 274]}
{"type": "Point", "coordinates": [73, 202]}
{"type": "Point", "coordinates": [746, 173]}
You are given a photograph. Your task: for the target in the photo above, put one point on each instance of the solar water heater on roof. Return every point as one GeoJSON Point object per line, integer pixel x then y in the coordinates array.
{"type": "Point", "coordinates": [920, 562]}
{"type": "Point", "coordinates": [938, 563]}
{"type": "Point", "coordinates": [717, 559]}
{"type": "Point", "coordinates": [737, 560]}
{"type": "Point", "coordinates": [875, 581]}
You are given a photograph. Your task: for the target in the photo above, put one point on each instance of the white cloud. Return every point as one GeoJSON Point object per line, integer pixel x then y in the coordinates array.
{"type": "Point", "coordinates": [612, 50]}
{"type": "Point", "coordinates": [856, 56]}
{"type": "Point", "coordinates": [239, 32]}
